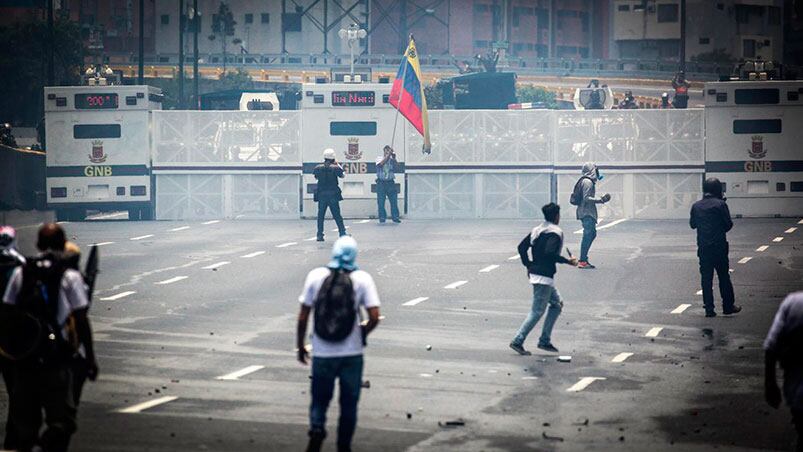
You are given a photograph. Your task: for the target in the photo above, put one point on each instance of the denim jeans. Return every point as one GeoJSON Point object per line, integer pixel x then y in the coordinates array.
{"type": "Point", "coordinates": [589, 234]}
{"type": "Point", "coordinates": [387, 189]}
{"type": "Point", "coordinates": [715, 258]}
{"type": "Point", "coordinates": [324, 372]}
{"type": "Point", "coordinates": [330, 201]}
{"type": "Point", "coordinates": [543, 295]}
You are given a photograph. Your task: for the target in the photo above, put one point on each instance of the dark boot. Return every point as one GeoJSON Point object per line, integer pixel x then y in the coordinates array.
{"type": "Point", "coordinates": [316, 438]}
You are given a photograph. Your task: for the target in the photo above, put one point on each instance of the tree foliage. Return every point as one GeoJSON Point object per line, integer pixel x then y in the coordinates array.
{"type": "Point", "coordinates": [23, 65]}
{"type": "Point", "coordinates": [223, 26]}
{"type": "Point", "coordinates": [536, 95]}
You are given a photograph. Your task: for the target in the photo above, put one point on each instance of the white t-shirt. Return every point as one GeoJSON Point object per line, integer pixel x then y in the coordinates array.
{"type": "Point", "coordinates": [365, 295]}
{"type": "Point", "coordinates": [72, 294]}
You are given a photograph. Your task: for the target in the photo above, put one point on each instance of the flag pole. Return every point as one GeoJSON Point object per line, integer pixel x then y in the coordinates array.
{"type": "Point", "coordinates": [401, 93]}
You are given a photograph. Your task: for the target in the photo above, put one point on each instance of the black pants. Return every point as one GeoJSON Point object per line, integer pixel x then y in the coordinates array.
{"type": "Point", "coordinates": [331, 202]}
{"type": "Point", "coordinates": [715, 258]}
{"type": "Point", "coordinates": [49, 389]}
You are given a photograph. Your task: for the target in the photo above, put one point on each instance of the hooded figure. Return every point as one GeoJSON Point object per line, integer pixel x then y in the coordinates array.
{"type": "Point", "coordinates": [587, 209]}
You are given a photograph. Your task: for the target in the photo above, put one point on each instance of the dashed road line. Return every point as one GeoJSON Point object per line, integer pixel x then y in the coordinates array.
{"type": "Point", "coordinates": [605, 226]}
{"type": "Point", "coordinates": [216, 265]}
{"type": "Point", "coordinates": [425, 375]}
{"type": "Point", "coordinates": [790, 230]}
{"type": "Point", "coordinates": [285, 245]}
{"type": "Point", "coordinates": [529, 378]}
{"type": "Point", "coordinates": [146, 405]}
{"type": "Point", "coordinates": [338, 230]}
{"type": "Point", "coordinates": [254, 254]}
{"type": "Point", "coordinates": [142, 237]}
{"type": "Point", "coordinates": [171, 280]}
{"type": "Point", "coordinates": [211, 222]}
{"type": "Point", "coordinates": [454, 285]}
{"type": "Point", "coordinates": [583, 383]}
{"type": "Point", "coordinates": [680, 309]}
{"type": "Point", "coordinates": [513, 258]}
{"type": "Point", "coordinates": [362, 221]}
{"type": "Point", "coordinates": [107, 216]}
{"type": "Point", "coordinates": [654, 332]}
{"type": "Point", "coordinates": [310, 239]}
{"type": "Point", "coordinates": [240, 373]}
{"type": "Point", "coordinates": [800, 222]}
{"type": "Point", "coordinates": [699, 292]}
{"type": "Point", "coordinates": [415, 301]}
{"type": "Point", "coordinates": [118, 296]}
{"type": "Point", "coordinates": [180, 228]}
{"type": "Point", "coordinates": [101, 244]}
{"type": "Point", "coordinates": [745, 260]}
{"type": "Point", "coordinates": [621, 357]}
{"type": "Point", "coordinates": [762, 248]}
{"type": "Point", "coordinates": [777, 239]}
{"type": "Point", "coordinates": [489, 268]}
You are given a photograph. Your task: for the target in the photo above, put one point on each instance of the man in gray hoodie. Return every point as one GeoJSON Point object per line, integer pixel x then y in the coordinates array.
{"type": "Point", "coordinates": [587, 202]}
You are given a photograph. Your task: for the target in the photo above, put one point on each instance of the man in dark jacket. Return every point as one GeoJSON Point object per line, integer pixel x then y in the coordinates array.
{"type": "Point", "coordinates": [712, 220]}
{"type": "Point", "coordinates": [328, 194]}
{"type": "Point", "coordinates": [546, 242]}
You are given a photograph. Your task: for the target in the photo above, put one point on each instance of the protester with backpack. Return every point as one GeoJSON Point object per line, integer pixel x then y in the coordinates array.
{"type": "Point", "coordinates": [327, 193]}
{"type": "Point", "coordinates": [545, 242]}
{"type": "Point", "coordinates": [53, 298]}
{"type": "Point", "coordinates": [335, 294]}
{"type": "Point", "coordinates": [584, 197]}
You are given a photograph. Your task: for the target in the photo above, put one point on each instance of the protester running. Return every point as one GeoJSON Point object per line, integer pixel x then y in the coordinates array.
{"type": "Point", "coordinates": [545, 242]}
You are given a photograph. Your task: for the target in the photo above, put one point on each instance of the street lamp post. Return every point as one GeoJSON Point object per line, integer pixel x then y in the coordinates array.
{"type": "Point", "coordinates": [195, 16]}
{"type": "Point", "coordinates": [351, 35]}
{"type": "Point", "coordinates": [180, 54]}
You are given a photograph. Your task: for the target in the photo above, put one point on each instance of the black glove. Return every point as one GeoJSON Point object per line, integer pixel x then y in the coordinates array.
{"type": "Point", "coordinates": [364, 333]}
{"type": "Point", "coordinates": [606, 197]}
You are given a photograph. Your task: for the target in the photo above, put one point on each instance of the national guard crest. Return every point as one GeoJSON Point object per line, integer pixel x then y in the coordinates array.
{"type": "Point", "coordinates": [97, 155]}
{"type": "Point", "coordinates": [757, 150]}
{"type": "Point", "coordinates": [353, 152]}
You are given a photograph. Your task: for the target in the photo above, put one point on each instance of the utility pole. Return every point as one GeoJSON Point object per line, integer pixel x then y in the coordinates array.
{"type": "Point", "coordinates": [682, 65]}
{"type": "Point", "coordinates": [196, 18]}
{"type": "Point", "coordinates": [51, 38]}
{"type": "Point", "coordinates": [141, 72]}
{"type": "Point", "coordinates": [180, 54]}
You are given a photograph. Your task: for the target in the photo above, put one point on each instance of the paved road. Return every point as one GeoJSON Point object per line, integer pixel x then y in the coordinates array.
{"type": "Point", "coordinates": [181, 304]}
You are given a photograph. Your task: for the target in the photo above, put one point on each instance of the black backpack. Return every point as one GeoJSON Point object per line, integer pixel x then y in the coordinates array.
{"type": "Point", "coordinates": [576, 197]}
{"type": "Point", "coordinates": [335, 307]}
{"type": "Point", "coordinates": [38, 298]}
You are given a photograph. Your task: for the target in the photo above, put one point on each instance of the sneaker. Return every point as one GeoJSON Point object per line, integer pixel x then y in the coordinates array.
{"type": "Point", "coordinates": [735, 310]}
{"type": "Point", "coordinates": [585, 265]}
{"type": "Point", "coordinates": [519, 349]}
{"type": "Point", "coordinates": [319, 238]}
{"type": "Point", "coordinates": [381, 221]}
{"type": "Point", "coordinates": [396, 220]}
{"type": "Point", "coordinates": [710, 314]}
{"type": "Point", "coordinates": [548, 347]}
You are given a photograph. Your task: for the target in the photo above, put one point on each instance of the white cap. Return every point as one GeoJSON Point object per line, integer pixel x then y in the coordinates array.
{"type": "Point", "coordinates": [329, 154]}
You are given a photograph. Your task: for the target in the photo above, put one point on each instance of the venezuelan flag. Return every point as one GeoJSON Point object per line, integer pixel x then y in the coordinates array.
{"type": "Point", "coordinates": [407, 94]}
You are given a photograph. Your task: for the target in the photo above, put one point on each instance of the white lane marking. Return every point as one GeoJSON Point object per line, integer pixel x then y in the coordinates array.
{"type": "Point", "coordinates": [621, 357]}
{"type": "Point", "coordinates": [254, 254]}
{"type": "Point", "coordinates": [107, 216]}
{"type": "Point", "coordinates": [285, 245]}
{"type": "Point", "coordinates": [362, 221]}
{"type": "Point", "coordinates": [240, 373]}
{"type": "Point", "coordinates": [145, 405]}
{"type": "Point", "coordinates": [172, 280]}
{"type": "Point", "coordinates": [415, 301]}
{"type": "Point", "coordinates": [513, 258]}
{"type": "Point", "coordinates": [800, 222]}
{"type": "Point", "coordinates": [216, 265]}
{"type": "Point", "coordinates": [425, 375]}
{"type": "Point", "coordinates": [762, 248]}
{"type": "Point", "coordinates": [336, 230]}
{"type": "Point", "coordinates": [529, 378]}
{"type": "Point", "coordinates": [454, 285]}
{"type": "Point", "coordinates": [62, 222]}
{"type": "Point", "coordinates": [181, 228]}
{"type": "Point", "coordinates": [699, 292]}
{"type": "Point", "coordinates": [654, 332]}
{"type": "Point", "coordinates": [730, 270]}
{"type": "Point", "coordinates": [680, 309]}
{"type": "Point", "coordinates": [790, 230]}
{"type": "Point", "coordinates": [744, 260]}
{"type": "Point", "coordinates": [118, 296]}
{"type": "Point", "coordinates": [583, 383]}
{"type": "Point", "coordinates": [489, 268]}
{"type": "Point", "coordinates": [777, 239]}
{"type": "Point", "coordinates": [211, 222]}
{"type": "Point", "coordinates": [142, 237]}
{"type": "Point", "coordinates": [310, 239]}
{"type": "Point", "coordinates": [101, 244]}
{"type": "Point", "coordinates": [605, 226]}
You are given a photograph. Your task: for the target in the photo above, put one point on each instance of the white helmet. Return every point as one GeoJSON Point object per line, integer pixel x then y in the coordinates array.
{"type": "Point", "coordinates": [329, 154]}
